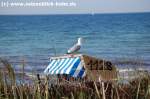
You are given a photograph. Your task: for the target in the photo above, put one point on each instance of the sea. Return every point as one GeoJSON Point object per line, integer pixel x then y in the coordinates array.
{"type": "Point", "coordinates": [123, 39]}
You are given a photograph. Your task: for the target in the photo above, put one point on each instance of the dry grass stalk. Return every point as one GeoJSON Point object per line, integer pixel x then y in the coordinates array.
{"type": "Point", "coordinates": [104, 97]}
{"type": "Point", "coordinates": [68, 89]}
{"type": "Point", "coordinates": [138, 89]}
{"type": "Point", "coordinates": [10, 70]}
{"type": "Point", "coordinates": [97, 90]}
{"type": "Point", "coordinates": [46, 88]}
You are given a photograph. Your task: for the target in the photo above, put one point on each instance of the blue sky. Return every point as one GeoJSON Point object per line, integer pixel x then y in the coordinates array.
{"type": "Point", "coordinates": [82, 6]}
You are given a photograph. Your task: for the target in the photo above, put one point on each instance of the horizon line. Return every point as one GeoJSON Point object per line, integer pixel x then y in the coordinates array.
{"type": "Point", "coordinates": [92, 13]}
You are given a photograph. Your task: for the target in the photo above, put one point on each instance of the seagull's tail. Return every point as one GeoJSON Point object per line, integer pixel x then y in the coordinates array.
{"type": "Point", "coordinates": [67, 53]}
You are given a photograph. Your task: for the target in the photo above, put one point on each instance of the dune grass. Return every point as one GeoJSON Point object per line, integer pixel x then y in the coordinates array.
{"type": "Point", "coordinates": [138, 88]}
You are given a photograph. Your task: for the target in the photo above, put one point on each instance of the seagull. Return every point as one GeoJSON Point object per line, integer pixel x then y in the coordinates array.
{"type": "Point", "coordinates": [75, 47]}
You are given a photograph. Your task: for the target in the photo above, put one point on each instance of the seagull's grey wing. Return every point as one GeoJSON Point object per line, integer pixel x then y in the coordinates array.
{"type": "Point", "coordinates": [77, 48]}
{"type": "Point", "coordinates": [74, 48]}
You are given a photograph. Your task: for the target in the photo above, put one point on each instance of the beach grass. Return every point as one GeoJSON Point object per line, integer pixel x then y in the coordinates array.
{"type": "Point", "coordinates": [137, 88]}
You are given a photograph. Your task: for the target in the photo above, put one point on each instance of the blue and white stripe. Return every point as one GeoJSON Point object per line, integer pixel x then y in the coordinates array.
{"type": "Point", "coordinates": [71, 66]}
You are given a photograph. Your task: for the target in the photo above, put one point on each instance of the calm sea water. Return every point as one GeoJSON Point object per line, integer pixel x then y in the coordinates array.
{"type": "Point", "coordinates": [121, 38]}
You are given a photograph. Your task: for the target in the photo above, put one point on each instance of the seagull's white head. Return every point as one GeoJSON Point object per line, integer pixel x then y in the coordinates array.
{"type": "Point", "coordinates": [79, 41]}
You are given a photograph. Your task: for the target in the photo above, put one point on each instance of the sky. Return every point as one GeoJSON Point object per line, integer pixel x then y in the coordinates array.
{"type": "Point", "coordinates": [78, 7]}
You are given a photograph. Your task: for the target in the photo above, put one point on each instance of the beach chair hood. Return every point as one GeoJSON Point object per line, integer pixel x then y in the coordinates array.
{"type": "Point", "coordinates": [71, 65]}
